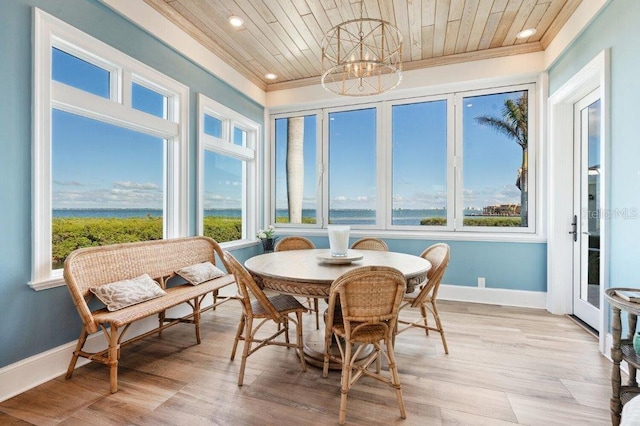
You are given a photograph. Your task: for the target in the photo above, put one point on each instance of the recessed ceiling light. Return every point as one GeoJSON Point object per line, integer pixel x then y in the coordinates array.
{"type": "Point", "coordinates": [236, 21]}
{"type": "Point", "coordinates": [526, 33]}
{"type": "Point", "coordinates": [270, 76]}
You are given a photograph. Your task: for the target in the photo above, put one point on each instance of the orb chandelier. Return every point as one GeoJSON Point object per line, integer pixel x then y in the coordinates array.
{"type": "Point", "coordinates": [362, 57]}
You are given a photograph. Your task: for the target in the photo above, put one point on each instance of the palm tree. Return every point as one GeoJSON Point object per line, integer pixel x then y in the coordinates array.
{"type": "Point", "coordinates": [513, 124]}
{"type": "Point", "coordinates": [295, 167]}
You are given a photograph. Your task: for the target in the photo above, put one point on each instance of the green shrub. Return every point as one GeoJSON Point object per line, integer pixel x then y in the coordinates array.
{"type": "Point", "coordinates": [434, 221]}
{"type": "Point", "coordinates": [223, 229]}
{"type": "Point", "coordinates": [69, 234]}
{"type": "Point", "coordinates": [285, 219]}
{"type": "Point", "coordinates": [506, 221]}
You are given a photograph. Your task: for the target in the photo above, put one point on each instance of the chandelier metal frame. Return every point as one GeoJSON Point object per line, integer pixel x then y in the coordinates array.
{"type": "Point", "coordinates": [362, 57]}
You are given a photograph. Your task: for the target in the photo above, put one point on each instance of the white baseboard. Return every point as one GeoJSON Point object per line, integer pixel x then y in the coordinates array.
{"type": "Point", "coordinates": [35, 370]}
{"type": "Point", "coordinates": [493, 296]}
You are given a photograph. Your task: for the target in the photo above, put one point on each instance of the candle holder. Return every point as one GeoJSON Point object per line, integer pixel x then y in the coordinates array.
{"type": "Point", "coordinates": [338, 239]}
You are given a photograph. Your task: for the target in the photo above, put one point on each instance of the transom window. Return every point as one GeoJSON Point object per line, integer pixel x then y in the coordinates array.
{"type": "Point", "coordinates": [110, 149]}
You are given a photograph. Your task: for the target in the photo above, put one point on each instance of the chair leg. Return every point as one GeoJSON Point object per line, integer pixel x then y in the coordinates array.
{"type": "Point", "coordinates": [196, 318]}
{"type": "Point", "coordinates": [345, 382]}
{"type": "Point", "coordinates": [74, 359]}
{"type": "Point", "coordinates": [395, 378]}
{"type": "Point", "coordinates": [238, 337]}
{"type": "Point", "coordinates": [248, 340]}
{"type": "Point", "coordinates": [423, 311]}
{"type": "Point", "coordinates": [114, 353]}
{"type": "Point", "coordinates": [317, 309]}
{"type": "Point", "coordinates": [286, 328]}
{"type": "Point", "coordinates": [439, 325]}
{"type": "Point", "coordinates": [327, 345]}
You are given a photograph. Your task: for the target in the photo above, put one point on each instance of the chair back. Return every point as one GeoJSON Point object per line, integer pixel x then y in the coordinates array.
{"type": "Point", "coordinates": [368, 295]}
{"type": "Point", "coordinates": [294, 243]}
{"type": "Point", "coordinates": [370, 243]}
{"type": "Point", "coordinates": [247, 287]}
{"type": "Point", "coordinates": [438, 254]}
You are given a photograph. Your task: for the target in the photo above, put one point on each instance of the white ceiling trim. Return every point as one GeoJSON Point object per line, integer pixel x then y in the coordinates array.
{"type": "Point", "coordinates": [153, 22]}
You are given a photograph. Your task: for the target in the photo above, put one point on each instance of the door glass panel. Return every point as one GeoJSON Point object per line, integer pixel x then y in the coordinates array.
{"type": "Point", "coordinates": [591, 207]}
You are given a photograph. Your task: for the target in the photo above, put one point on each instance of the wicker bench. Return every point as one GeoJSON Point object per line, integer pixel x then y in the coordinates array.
{"type": "Point", "coordinates": [98, 266]}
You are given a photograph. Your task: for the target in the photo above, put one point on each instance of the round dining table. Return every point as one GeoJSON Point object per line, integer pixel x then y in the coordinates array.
{"type": "Point", "coordinates": [309, 273]}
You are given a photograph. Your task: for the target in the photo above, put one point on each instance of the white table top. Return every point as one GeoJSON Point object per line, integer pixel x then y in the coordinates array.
{"type": "Point", "coordinates": [302, 266]}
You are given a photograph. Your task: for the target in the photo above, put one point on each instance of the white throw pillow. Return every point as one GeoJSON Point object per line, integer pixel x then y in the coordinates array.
{"type": "Point", "coordinates": [200, 272]}
{"type": "Point", "coordinates": [120, 294]}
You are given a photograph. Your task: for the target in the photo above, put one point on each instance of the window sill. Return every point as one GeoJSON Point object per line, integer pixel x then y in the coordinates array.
{"type": "Point", "coordinates": [46, 284]}
{"type": "Point", "coordinates": [427, 235]}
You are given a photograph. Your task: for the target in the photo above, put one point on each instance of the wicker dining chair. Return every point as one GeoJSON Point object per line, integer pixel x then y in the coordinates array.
{"type": "Point", "coordinates": [370, 243]}
{"type": "Point", "coordinates": [425, 297]}
{"type": "Point", "coordinates": [368, 304]}
{"type": "Point", "coordinates": [301, 243]}
{"type": "Point", "coordinates": [263, 308]}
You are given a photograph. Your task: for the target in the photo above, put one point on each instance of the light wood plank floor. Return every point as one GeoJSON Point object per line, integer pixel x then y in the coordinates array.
{"type": "Point", "coordinates": [506, 366]}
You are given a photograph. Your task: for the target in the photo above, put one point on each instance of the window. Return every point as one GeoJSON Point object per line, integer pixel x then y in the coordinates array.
{"type": "Point", "coordinates": [454, 162]}
{"type": "Point", "coordinates": [228, 143]}
{"type": "Point", "coordinates": [496, 160]}
{"type": "Point", "coordinates": [353, 167]}
{"type": "Point", "coordinates": [419, 164]}
{"type": "Point", "coordinates": [110, 149]}
{"type": "Point", "coordinates": [296, 179]}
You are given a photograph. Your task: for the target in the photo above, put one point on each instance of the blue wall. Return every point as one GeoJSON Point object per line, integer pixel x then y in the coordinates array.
{"type": "Point", "coordinates": [617, 28]}
{"type": "Point", "coordinates": [515, 266]}
{"type": "Point", "coordinates": [32, 322]}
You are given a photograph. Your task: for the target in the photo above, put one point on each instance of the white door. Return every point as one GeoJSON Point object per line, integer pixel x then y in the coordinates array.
{"type": "Point", "coordinates": [587, 223]}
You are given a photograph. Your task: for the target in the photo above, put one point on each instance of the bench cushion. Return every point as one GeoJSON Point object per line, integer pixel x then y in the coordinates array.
{"type": "Point", "coordinates": [175, 296]}
{"type": "Point", "coordinates": [120, 294]}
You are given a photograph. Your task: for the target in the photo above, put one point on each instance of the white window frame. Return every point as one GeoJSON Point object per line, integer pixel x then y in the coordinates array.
{"type": "Point", "coordinates": [532, 170]}
{"type": "Point", "coordinates": [381, 164]}
{"type": "Point", "coordinates": [225, 145]}
{"type": "Point", "coordinates": [48, 94]}
{"type": "Point", "coordinates": [454, 229]}
{"type": "Point", "coordinates": [450, 169]}
{"type": "Point", "coordinates": [321, 170]}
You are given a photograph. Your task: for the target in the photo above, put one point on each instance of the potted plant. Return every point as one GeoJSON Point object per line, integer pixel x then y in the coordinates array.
{"type": "Point", "coordinates": [268, 238]}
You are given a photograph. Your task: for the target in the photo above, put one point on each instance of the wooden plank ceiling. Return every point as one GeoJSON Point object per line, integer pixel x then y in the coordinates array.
{"type": "Point", "coordinates": [284, 36]}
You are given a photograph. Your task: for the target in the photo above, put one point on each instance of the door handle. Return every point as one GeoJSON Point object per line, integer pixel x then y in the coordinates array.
{"type": "Point", "coordinates": [574, 228]}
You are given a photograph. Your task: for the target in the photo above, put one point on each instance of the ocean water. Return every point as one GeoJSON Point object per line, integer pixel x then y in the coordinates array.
{"type": "Point", "coordinates": [405, 217]}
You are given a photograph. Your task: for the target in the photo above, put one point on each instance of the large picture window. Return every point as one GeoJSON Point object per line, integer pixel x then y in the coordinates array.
{"type": "Point", "coordinates": [228, 143]}
{"type": "Point", "coordinates": [296, 178]}
{"type": "Point", "coordinates": [495, 160]}
{"type": "Point", "coordinates": [419, 164]}
{"type": "Point", "coordinates": [353, 167]}
{"type": "Point", "coordinates": [109, 149]}
{"type": "Point", "coordinates": [455, 162]}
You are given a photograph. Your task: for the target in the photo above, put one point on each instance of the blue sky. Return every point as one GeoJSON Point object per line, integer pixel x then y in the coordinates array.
{"type": "Point", "coordinates": [98, 165]}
